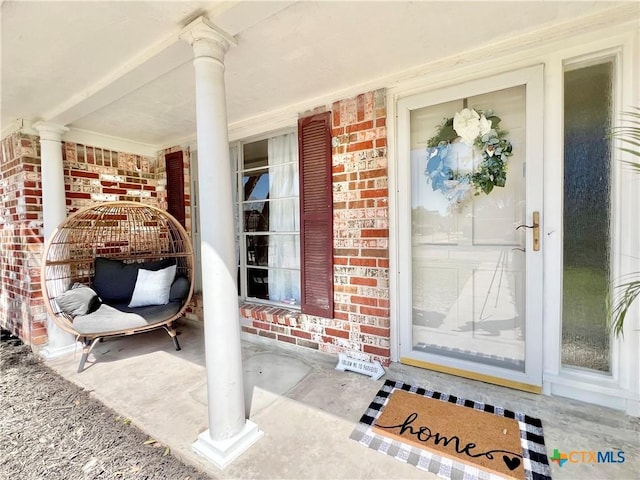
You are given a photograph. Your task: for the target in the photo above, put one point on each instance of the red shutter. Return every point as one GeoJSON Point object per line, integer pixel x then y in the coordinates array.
{"type": "Point", "coordinates": [316, 214]}
{"type": "Point", "coordinates": [175, 185]}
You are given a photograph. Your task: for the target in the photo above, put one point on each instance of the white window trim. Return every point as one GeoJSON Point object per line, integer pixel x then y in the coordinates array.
{"type": "Point", "coordinates": [240, 234]}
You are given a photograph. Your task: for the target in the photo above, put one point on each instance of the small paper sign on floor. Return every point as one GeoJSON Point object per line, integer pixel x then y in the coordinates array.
{"type": "Point", "coordinates": [371, 369]}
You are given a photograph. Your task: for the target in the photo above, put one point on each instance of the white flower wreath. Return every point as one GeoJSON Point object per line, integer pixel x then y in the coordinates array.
{"type": "Point", "coordinates": [480, 130]}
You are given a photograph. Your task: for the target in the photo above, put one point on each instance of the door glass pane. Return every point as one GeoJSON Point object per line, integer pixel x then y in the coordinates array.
{"type": "Point", "coordinates": [587, 185]}
{"type": "Point", "coordinates": [468, 259]}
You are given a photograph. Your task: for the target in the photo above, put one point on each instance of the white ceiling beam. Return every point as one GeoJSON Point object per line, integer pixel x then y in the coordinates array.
{"type": "Point", "coordinates": [246, 14]}
{"type": "Point", "coordinates": [155, 62]}
{"type": "Point", "coordinates": [142, 69]}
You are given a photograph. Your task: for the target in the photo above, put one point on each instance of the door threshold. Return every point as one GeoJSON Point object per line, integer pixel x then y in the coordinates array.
{"type": "Point", "coordinates": [525, 387]}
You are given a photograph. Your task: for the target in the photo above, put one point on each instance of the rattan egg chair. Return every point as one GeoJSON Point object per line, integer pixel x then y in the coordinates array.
{"type": "Point", "coordinates": [129, 237]}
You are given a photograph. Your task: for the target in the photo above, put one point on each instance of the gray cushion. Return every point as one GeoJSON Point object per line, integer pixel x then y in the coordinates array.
{"type": "Point", "coordinates": [114, 280]}
{"type": "Point", "coordinates": [113, 318]}
{"type": "Point", "coordinates": [78, 301]}
{"type": "Point", "coordinates": [179, 289]}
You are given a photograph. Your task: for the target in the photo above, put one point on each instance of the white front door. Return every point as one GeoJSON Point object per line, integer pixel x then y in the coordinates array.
{"type": "Point", "coordinates": [470, 266]}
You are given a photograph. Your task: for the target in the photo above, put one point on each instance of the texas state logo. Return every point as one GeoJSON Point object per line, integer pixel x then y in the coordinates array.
{"type": "Point", "coordinates": [582, 456]}
{"type": "Point", "coordinates": [559, 458]}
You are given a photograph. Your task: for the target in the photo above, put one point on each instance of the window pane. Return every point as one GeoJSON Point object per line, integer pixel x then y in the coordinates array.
{"type": "Point", "coordinates": [255, 154]}
{"type": "Point", "coordinates": [256, 217]}
{"type": "Point", "coordinates": [284, 215]}
{"type": "Point", "coordinates": [285, 286]}
{"type": "Point", "coordinates": [258, 250]}
{"type": "Point", "coordinates": [256, 185]}
{"type": "Point", "coordinates": [258, 283]}
{"type": "Point", "coordinates": [587, 184]}
{"type": "Point", "coordinates": [283, 180]}
{"type": "Point", "coordinates": [283, 251]}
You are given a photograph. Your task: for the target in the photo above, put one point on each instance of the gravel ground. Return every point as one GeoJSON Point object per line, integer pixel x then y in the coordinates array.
{"type": "Point", "coordinates": [52, 429]}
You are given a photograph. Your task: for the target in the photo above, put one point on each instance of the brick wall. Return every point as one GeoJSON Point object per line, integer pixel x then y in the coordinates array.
{"type": "Point", "coordinates": [360, 326]}
{"type": "Point", "coordinates": [21, 308]}
{"type": "Point", "coordinates": [91, 175]}
{"type": "Point", "coordinates": [99, 175]}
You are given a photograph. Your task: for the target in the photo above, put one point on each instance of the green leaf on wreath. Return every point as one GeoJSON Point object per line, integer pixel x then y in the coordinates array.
{"type": "Point", "coordinates": [494, 149]}
{"type": "Point", "coordinates": [447, 133]}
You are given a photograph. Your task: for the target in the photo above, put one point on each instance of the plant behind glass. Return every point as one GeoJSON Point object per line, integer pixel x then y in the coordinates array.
{"type": "Point", "coordinates": [627, 292]}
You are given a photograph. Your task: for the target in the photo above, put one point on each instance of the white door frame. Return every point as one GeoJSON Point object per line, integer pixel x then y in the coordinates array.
{"type": "Point", "coordinates": [612, 33]}
{"type": "Point", "coordinates": [532, 78]}
{"type": "Point", "coordinates": [618, 390]}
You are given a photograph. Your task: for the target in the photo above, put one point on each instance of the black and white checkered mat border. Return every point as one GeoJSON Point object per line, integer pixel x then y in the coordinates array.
{"type": "Point", "coordinates": [535, 461]}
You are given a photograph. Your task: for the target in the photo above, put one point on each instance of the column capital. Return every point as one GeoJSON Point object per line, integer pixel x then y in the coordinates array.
{"type": "Point", "coordinates": [207, 39]}
{"type": "Point", "coordinates": [50, 131]}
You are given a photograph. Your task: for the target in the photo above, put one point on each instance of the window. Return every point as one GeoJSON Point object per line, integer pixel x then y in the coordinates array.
{"type": "Point", "coordinates": [285, 255]}
{"type": "Point", "coordinates": [269, 220]}
{"type": "Point", "coordinates": [587, 212]}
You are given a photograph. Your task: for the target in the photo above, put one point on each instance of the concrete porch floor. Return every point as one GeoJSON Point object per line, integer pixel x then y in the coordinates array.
{"type": "Point", "coordinates": [307, 409]}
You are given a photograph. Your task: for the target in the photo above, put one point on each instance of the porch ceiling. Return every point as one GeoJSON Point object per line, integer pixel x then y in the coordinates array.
{"type": "Point", "coordinates": [119, 69]}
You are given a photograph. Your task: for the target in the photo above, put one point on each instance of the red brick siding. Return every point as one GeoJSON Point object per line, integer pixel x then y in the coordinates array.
{"type": "Point", "coordinates": [94, 175]}
{"type": "Point", "coordinates": [276, 323]}
{"type": "Point", "coordinates": [360, 326]}
{"type": "Point", "coordinates": [21, 308]}
{"type": "Point", "coordinates": [361, 225]}
{"type": "Point", "coordinates": [91, 175]}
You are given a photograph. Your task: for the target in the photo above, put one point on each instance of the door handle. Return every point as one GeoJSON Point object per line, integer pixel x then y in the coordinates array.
{"type": "Point", "coordinates": [536, 230]}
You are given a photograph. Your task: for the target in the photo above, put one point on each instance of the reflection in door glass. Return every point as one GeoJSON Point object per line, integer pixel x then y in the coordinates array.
{"type": "Point", "coordinates": [468, 259]}
{"type": "Point", "coordinates": [587, 184]}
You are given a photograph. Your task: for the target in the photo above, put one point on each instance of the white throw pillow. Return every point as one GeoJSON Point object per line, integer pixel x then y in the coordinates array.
{"type": "Point", "coordinates": [153, 287]}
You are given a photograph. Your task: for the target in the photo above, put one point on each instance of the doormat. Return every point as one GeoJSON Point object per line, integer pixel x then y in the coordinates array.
{"type": "Point", "coordinates": [453, 437]}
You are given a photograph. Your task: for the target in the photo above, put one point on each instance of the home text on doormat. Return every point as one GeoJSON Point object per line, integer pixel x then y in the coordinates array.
{"type": "Point", "coordinates": [411, 433]}
{"type": "Point", "coordinates": [471, 436]}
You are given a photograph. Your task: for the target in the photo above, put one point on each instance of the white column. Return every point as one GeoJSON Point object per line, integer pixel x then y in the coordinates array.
{"type": "Point", "coordinates": [54, 211]}
{"type": "Point", "coordinates": [229, 432]}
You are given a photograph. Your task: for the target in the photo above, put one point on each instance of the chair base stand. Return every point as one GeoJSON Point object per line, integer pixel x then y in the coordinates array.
{"type": "Point", "coordinates": [174, 336]}
{"type": "Point", "coordinates": [86, 350]}
{"type": "Point", "coordinates": [90, 342]}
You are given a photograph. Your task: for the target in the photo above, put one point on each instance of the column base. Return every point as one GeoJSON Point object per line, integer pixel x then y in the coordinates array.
{"type": "Point", "coordinates": [49, 352]}
{"type": "Point", "coordinates": [222, 452]}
